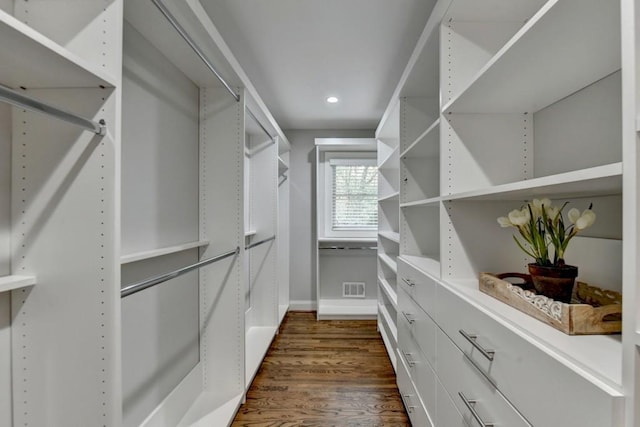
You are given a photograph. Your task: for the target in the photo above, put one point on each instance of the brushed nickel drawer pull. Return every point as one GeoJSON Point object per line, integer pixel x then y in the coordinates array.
{"type": "Point", "coordinates": [405, 398]}
{"type": "Point", "coordinates": [409, 319]}
{"type": "Point", "coordinates": [473, 340]}
{"type": "Point", "coordinates": [408, 282]}
{"type": "Point", "coordinates": [410, 361]}
{"type": "Point", "coordinates": [470, 404]}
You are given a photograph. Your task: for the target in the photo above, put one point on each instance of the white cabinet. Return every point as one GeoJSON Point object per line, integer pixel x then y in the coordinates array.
{"type": "Point", "coordinates": [388, 232]}
{"type": "Point", "coordinates": [532, 98]}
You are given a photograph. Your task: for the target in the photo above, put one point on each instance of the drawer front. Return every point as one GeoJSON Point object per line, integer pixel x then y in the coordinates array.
{"type": "Point", "coordinates": [421, 287]}
{"type": "Point", "coordinates": [447, 414]}
{"type": "Point", "coordinates": [420, 325]}
{"type": "Point", "coordinates": [413, 405]}
{"type": "Point", "coordinates": [419, 369]}
{"type": "Point", "coordinates": [471, 393]}
{"type": "Point", "coordinates": [544, 390]}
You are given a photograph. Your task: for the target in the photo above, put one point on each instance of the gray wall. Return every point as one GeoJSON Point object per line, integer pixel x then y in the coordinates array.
{"type": "Point", "coordinates": [303, 210]}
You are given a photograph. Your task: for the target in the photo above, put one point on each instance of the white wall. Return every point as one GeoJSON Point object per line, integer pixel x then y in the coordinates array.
{"type": "Point", "coordinates": [303, 210]}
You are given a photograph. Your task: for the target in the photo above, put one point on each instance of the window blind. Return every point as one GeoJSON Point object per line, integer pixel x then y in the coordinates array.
{"type": "Point", "coordinates": [354, 195]}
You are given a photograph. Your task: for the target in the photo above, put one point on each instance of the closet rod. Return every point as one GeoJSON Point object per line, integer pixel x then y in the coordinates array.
{"type": "Point", "coordinates": [273, 139]}
{"type": "Point", "coordinates": [156, 280]}
{"type": "Point", "coordinates": [253, 245]}
{"type": "Point", "coordinates": [192, 44]}
{"type": "Point", "coordinates": [349, 247]}
{"type": "Point", "coordinates": [23, 101]}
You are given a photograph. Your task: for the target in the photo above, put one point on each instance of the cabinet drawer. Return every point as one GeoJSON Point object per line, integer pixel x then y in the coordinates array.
{"type": "Point", "coordinates": [545, 391]}
{"type": "Point", "coordinates": [419, 369]}
{"type": "Point", "coordinates": [419, 324]}
{"type": "Point", "coordinates": [418, 285]}
{"type": "Point", "coordinates": [413, 404]}
{"type": "Point", "coordinates": [447, 414]}
{"type": "Point", "coordinates": [470, 391]}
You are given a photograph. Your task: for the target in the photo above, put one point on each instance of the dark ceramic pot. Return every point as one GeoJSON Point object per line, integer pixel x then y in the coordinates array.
{"type": "Point", "coordinates": [555, 282]}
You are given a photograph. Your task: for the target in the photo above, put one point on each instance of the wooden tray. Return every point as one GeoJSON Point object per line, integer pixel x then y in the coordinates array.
{"type": "Point", "coordinates": [592, 311]}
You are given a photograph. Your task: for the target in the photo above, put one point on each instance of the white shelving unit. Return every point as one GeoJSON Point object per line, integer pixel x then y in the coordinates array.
{"type": "Point", "coordinates": [534, 110]}
{"type": "Point", "coordinates": [58, 216]}
{"type": "Point", "coordinates": [283, 235]}
{"type": "Point", "coordinates": [86, 213]}
{"type": "Point", "coordinates": [262, 316]}
{"type": "Point", "coordinates": [388, 230]}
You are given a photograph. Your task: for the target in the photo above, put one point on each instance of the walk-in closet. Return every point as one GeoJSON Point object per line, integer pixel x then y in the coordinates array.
{"type": "Point", "coordinates": [319, 213]}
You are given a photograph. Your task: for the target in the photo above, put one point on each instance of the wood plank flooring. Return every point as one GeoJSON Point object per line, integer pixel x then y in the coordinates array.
{"type": "Point", "coordinates": [326, 373]}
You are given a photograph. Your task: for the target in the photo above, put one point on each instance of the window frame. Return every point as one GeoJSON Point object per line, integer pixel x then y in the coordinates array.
{"type": "Point", "coordinates": [366, 157]}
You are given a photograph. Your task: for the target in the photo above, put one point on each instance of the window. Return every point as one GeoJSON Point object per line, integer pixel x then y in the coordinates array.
{"type": "Point", "coordinates": [354, 195]}
{"type": "Point", "coordinates": [351, 194]}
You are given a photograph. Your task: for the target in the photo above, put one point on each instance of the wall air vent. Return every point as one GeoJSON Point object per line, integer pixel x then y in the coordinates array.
{"type": "Point", "coordinates": [353, 289]}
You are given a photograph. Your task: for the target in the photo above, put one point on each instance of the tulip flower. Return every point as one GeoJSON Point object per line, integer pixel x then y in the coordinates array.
{"type": "Point", "coordinates": [540, 225]}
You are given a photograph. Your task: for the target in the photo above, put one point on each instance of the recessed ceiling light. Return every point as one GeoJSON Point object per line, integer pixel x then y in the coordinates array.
{"type": "Point", "coordinates": [332, 100]}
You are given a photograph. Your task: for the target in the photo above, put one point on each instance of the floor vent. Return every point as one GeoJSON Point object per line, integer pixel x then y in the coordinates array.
{"type": "Point", "coordinates": [353, 289]}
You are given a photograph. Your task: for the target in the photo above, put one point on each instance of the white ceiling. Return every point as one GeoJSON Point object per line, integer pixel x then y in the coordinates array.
{"type": "Point", "coordinates": [299, 52]}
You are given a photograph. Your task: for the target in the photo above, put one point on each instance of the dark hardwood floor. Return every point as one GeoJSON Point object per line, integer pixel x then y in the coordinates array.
{"type": "Point", "coordinates": [327, 373]}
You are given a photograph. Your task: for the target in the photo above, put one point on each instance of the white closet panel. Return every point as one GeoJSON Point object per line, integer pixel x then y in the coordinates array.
{"type": "Point", "coordinates": [283, 236]}
{"type": "Point", "coordinates": [5, 189]}
{"type": "Point", "coordinates": [587, 122]}
{"type": "Point", "coordinates": [63, 208]}
{"type": "Point", "coordinates": [160, 202]}
{"type": "Point", "coordinates": [160, 340]}
{"type": "Point", "coordinates": [221, 316]}
{"type": "Point", "coordinates": [5, 264]}
{"type": "Point", "coordinates": [80, 26]}
{"type": "Point", "coordinates": [5, 359]}
{"type": "Point", "coordinates": [159, 150]}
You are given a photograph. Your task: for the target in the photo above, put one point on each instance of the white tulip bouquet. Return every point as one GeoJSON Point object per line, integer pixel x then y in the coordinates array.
{"type": "Point", "coordinates": [542, 225]}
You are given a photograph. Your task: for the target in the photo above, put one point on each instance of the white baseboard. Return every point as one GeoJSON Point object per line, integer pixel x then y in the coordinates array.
{"type": "Point", "coordinates": [302, 305]}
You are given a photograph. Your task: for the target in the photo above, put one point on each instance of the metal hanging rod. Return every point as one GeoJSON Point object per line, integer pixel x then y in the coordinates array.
{"type": "Point", "coordinates": [192, 44]}
{"type": "Point", "coordinates": [333, 248]}
{"type": "Point", "coordinates": [156, 280]}
{"type": "Point", "coordinates": [253, 245]}
{"type": "Point", "coordinates": [273, 139]}
{"type": "Point", "coordinates": [23, 101]}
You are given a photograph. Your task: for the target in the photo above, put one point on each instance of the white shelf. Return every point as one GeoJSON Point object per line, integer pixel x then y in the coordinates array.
{"type": "Point", "coordinates": [391, 349]}
{"type": "Point", "coordinates": [566, 46]}
{"type": "Point", "coordinates": [596, 357]}
{"type": "Point", "coordinates": [425, 145]}
{"type": "Point", "coordinates": [257, 342]}
{"type": "Point", "coordinates": [596, 181]}
{"type": "Point", "coordinates": [347, 239]}
{"type": "Point", "coordinates": [37, 62]}
{"type": "Point", "coordinates": [250, 233]}
{"type": "Point", "coordinates": [427, 265]}
{"type": "Point", "coordinates": [201, 415]}
{"type": "Point", "coordinates": [347, 309]}
{"type": "Point", "coordinates": [389, 291]}
{"type": "Point", "coordinates": [155, 253]}
{"type": "Point", "coordinates": [9, 283]}
{"type": "Point", "coordinates": [390, 323]}
{"type": "Point", "coordinates": [282, 166]}
{"type": "Point", "coordinates": [389, 262]}
{"type": "Point", "coordinates": [282, 312]}
{"type": "Point", "coordinates": [390, 235]}
{"type": "Point", "coordinates": [390, 197]}
{"type": "Point", "coordinates": [391, 162]}
{"type": "Point", "coordinates": [425, 202]}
